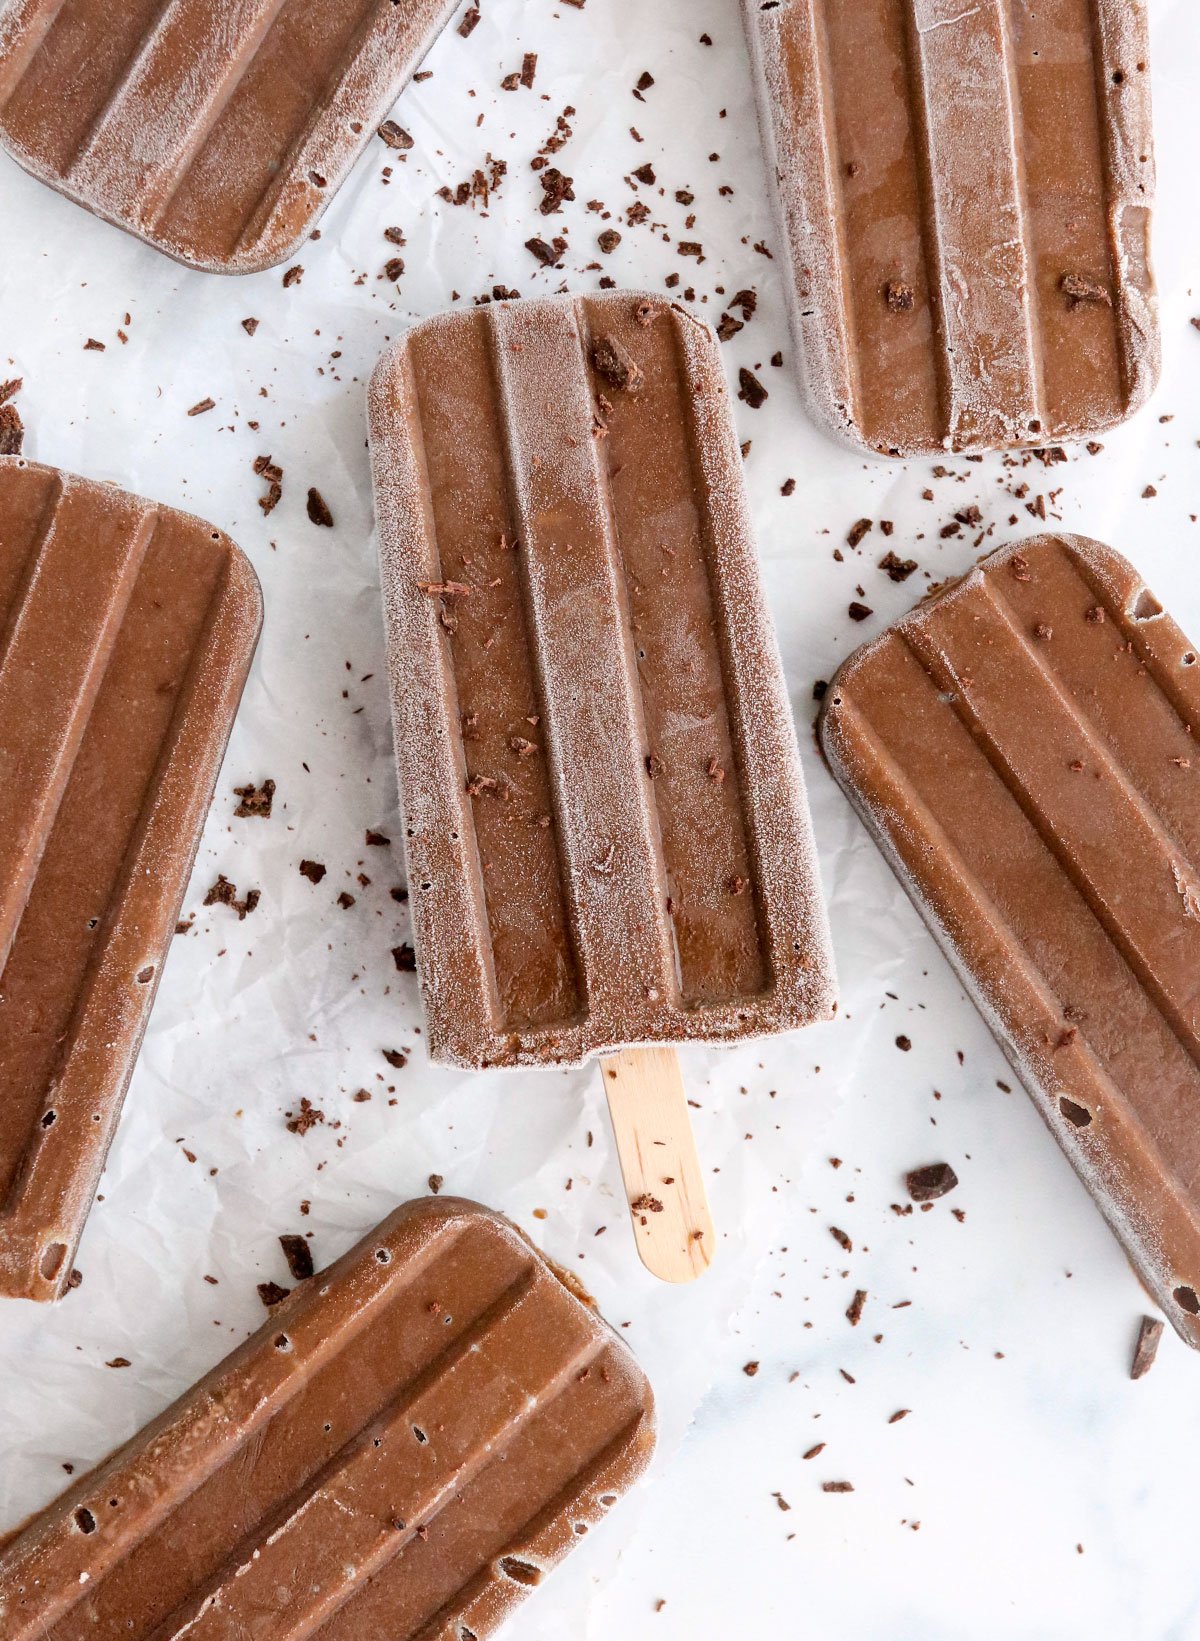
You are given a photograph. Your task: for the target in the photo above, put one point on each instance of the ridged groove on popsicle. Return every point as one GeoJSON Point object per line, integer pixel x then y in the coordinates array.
{"type": "Point", "coordinates": [161, 124]}
{"type": "Point", "coordinates": [679, 666]}
{"type": "Point", "coordinates": [56, 646]}
{"type": "Point", "coordinates": [84, 965]}
{"type": "Point", "coordinates": [594, 737]}
{"type": "Point", "coordinates": [1101, 784]}
{"type": "Point", "coordinates": [499, 760]}
{"type": "Point", "coordinates": [312, 1418]}
{"type": "Point", "coordinates": [909, 348]}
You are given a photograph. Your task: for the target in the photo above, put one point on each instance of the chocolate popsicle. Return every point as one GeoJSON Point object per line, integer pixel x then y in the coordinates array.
{"type": "Point", "coordinates": [216, 130]}
{"type": "Point", "coordinates": [965, 194]}
{"type": "Point", "coordinates": [1023, 749]}
{"type": "Point", "coordinates": [607, 837]}
{"type": "Point", "coordinates": [126, 632]}
{"type": "Point", "coordinates": [415, 1438]}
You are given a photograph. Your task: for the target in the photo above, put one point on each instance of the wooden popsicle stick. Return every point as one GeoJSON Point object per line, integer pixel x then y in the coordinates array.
{"type": "Point", "coordinates": [653, 1128]}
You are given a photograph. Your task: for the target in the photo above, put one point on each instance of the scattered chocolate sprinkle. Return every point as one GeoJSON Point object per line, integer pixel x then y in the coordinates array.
{"type": "Point", "coordinates": [855, 1308]}
{"type": "Point", "coordinates": [396, 1058]}
{"type": "Point", "coordinates": [307, 1116]}
{"type": "Point", "coordinates": [751, 391]}
{"type": "Point", "coordinates": [612, 360]}
{"type": "Point", "coordinates": [897, 569]}
{"type": "Point", "coordinates": [249, 326]}
{"type": "Point", "coordinates": [857, 611]}
{"type": "Point", "coordinates": [857, 531]}
{"type": "Point", "coordinates": [1077, 289]}
{"type": "Point", "coordinates": [395, 136]}
{"type": "Point", "coordinates": [255, 802]}
{"type": "Point", "coordinates": [292, 276]}
{"type": "Point", "coordinates": [1146, 1349]}
{"type": "Point", "coordinates": [837, 1487]}
{"type": "Point", "coordinates": [299, 1257]}
{"type": "Point", "coordinates": [608, 241]}
{"type": "Point", "coordinates": [750, 1369]}
{"type": "Point", "coordinates": [271, 1293]}
{"type": "Point", "coordinates": [12, 431]}
{"type": "Point", "coordinates": [318, 509]}
{"type": "Point", "coordinates": [928, 1183]}
{"type": "Point", "coordinates": [436, 1181]}
{"type": "Point", "coordinates": [405, 958]}
{"type": "Point", "coordinates": [200, 408]}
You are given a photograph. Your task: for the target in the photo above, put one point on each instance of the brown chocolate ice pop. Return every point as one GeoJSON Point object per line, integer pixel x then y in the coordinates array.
{"type": "Point", "coordinates": [217, 130]}
{"type": "Point", "coordinates": [607, 837]}
{"type": "Point", "coordinates": [965, 192]}
{"type": "Point", "coordinates": [415, 1438]}
{"type": "Point", "coordinates": [126, 632]}
{"type": "Point", "coordinates": [1023, 747]}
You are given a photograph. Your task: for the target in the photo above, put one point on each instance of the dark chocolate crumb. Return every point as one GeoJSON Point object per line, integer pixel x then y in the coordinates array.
{"type": "Point", "coordinates": [1146, 1349]}
{"type": "Point", "coordinates": [318, 509]}
{"type": "Point", "coordinates": [857, 531]}
{"type": "Point", "coordinates": [436, 1181]}
{"type": "Point", "coordinates": [900, 297]}
{"type": "Point", "coordinates": [298, 1255]}
{"type": "Point", "coordinates": [405, 958]}
{"type": "Point", "coordinates": [255, 802]}
{"type": "Point", "coordinates": [200, 408]}
{"type": "Point", "coordinates": [897, 569]}
{"type": "Point", "coordinates": [305, 1117]}
{"type": "Point", "coordinates": [271, 1293]}
{"type": "Point", "coordinates": [395, 136]}
{"type": "Point", "coordinates": [312, 870]}
{"type": "Point", "coordinates": [933, 1181]}
{"type": "Point", "coordinates": [855, 1308]}
{"type": "Point", "coordinates": [612, 360]}
{"type": "Point", "coordinates": [1076, 288]}
{"type": "Point", "coordinates": [857, 611]}
{"type": "Point", "coordinates": [750, 389]}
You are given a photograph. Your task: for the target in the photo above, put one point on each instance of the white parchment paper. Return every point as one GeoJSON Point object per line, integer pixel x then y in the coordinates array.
{"type": "Point", "coordinates": [1052, 1495]}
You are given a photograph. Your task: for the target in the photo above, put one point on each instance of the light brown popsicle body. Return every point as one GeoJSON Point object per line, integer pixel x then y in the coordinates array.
{"type": "Point", "coordinates": [965, 193]}
{"type": "Point", "coordinates": [1023, 747]}
{"type": "Point", "coordinates": [218, 130]}
{"type": "Point", "coordinates": [405, 1449]}
{"type": "Point", "coordinates": [606, 827]}
{"type": "Point", "coordinates": [126, 632]}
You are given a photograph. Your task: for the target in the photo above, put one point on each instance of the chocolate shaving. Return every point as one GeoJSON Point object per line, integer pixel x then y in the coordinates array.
{"type": "Point", "coordinates": [750, 389]}
{"type": "Point", "coordinates": [255, 802]}
{"type": "Point", "coordinates": [318, 509]}
{"type": "Point", "coordinates": [395, 136]}
{"type": "Point", "coordinates": [1077, 289]}
{"type": "Point", "coordinates": [929, 1183]}
{"type": "Point", "coordinates": [298, 1255]}
{"type": "Point", "coordinates": [1146, 1349]}
{"type": "Point", "coordinates": [612, 360]}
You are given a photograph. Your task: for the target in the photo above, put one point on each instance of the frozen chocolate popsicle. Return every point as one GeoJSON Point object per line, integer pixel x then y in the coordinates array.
{"type": "Point", "coordinates": [1023, 747]}
{"type": "Point", "coordinates": [965, 194]}
{"type": "Point", "coordinates": [217, 130]}
{"type": "Point", "coordinates": [606, 830]}
{"type": "Point", "coordinates": [126, 632]}
{"type": "Point", "coordinates": [407, 1447]}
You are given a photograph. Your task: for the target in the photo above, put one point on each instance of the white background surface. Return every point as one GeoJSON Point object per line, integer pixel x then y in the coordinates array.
{"type": "Point", "coordinates": [1054, 1496]}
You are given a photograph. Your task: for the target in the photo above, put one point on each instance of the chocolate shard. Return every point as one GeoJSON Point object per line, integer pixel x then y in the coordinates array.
{"type": "Point", "coordinates": [542, 748]}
